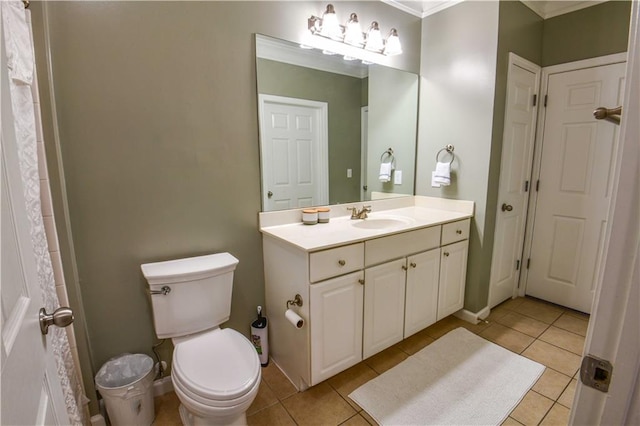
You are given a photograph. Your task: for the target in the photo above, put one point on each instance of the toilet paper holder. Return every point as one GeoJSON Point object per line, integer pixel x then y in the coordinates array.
{"type": "Point", "coordinates": [297, 300]}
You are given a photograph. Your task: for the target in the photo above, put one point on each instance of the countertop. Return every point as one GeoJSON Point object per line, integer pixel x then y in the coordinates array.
{"type": "Point", "coordinates": [343, 230]}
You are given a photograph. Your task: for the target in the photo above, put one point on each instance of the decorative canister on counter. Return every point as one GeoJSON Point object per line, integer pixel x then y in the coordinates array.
{"type": "Point", "coordinates": [323, 214]}
{"type": "Point", "coordinates": [309, 216]}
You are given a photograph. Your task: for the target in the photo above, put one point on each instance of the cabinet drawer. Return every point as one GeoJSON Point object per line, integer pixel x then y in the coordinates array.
{"type": "Point", "coordinates": [400, 245]}
{"type": "Point", "coordinates": [333, 262]}
{"type": "Point", "coordinates": [455, 231]}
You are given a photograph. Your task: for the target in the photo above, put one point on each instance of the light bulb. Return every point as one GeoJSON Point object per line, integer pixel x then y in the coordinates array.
{"type": "Point", "coordinates": [393, 46]}
{"type": "Point", "coordinates": [374, 38]}
{"type": "Point", "coordinates": [353, 33]}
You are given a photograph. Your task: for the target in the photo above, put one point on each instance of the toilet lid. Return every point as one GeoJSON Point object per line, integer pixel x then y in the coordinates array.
{"type": "Point", "coordinates": [220, 365]}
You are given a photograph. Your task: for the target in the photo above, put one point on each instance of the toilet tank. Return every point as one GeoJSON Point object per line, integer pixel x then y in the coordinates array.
{"type": "Point", "coordinates": [199, 297]}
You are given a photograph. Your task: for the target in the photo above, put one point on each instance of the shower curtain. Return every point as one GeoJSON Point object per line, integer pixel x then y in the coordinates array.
{"type": "Point", "coordinates": [20, 59]}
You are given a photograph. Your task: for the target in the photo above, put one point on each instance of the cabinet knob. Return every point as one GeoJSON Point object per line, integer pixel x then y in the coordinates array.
{"type": "Point", "coordinates": [446, 253]}
{"type": "Point", "coordinates": [459, 231]}
{"type": "Point", "coordinates": [361, 281]}
{"type": "Point", "coordinates": [413, 265]}
{"type": "Point", "coordinates": [342, 262]}
{"type": "Point", "coordinates": [404, 268]}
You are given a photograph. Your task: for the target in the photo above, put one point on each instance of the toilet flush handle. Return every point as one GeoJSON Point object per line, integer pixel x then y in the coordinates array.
{"type": "Point", "coordinates": [163, 291]}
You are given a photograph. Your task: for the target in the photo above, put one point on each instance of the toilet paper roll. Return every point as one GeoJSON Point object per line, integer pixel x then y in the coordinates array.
{"type": "Point", "coordinates": [294, 318]}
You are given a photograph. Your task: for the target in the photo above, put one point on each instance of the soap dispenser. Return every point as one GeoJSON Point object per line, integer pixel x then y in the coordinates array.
{"type": "Point", "coordinates": [260, 337]}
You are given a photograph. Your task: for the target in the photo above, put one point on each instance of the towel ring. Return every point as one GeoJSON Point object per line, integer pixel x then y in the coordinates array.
{"type": "Point", "coordinates": [389, 153]}
{"type": "Point", "coordinates": [449, 149]}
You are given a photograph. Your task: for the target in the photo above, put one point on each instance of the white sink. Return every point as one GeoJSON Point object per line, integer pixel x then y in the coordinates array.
{"type": "Point", "coordinates": [381, 222]}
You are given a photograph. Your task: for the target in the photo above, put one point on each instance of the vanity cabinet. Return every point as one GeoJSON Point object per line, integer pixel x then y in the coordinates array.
{"type": "Point", "coordinates": [336, 329]}
{"type": "Point", "coordinates": [384, 298]}
{"type": "Point", "coordinates": [360, 298]}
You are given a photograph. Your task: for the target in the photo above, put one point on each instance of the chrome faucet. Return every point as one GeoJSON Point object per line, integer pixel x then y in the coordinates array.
{"type": "Point", "coordinates": [362, 214]}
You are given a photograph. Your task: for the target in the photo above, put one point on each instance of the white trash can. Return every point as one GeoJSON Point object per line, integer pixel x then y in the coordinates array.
{"type": "Point", "coordinates": [126, 384]}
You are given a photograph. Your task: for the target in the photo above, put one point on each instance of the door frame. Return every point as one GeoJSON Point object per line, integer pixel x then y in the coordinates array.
{"type": "Point", "coordinates": [537, 154]}
{"type": "Point", "coordinates": [322, 150]}
{"type": "Point", "coordinates": [364, 149]}
{"type": "Point", "coordinates": [515, 60]}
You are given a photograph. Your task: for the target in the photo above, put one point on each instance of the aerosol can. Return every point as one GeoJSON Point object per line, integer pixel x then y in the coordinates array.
{"type": "Point", "coordinates": [260, 337]}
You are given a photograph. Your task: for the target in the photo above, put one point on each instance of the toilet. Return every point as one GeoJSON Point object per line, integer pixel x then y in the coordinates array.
{"type": "Point", "coordinates": [215, 372]}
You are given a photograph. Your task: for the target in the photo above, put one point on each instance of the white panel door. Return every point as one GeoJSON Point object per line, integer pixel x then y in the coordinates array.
{"type": "Point", "coordinates": [31, 391]}
{"type": "Point", "coordinates": [421, 301]}
{"type": "Point", "coordinates": [336, 325]}
{"type": "Point", "coordinates": [294, 152]}
{"type": "Point", "coordinates": [453, 276]}
{"type": "Point", "coordinates": [384, 291]}
{"type": "Point", "coordinates": [572, 208]}
{"type": "Point", "coordinates": [515, 173]}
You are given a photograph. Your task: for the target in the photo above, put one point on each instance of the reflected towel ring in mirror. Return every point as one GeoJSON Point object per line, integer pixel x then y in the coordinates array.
{"type": "Point", "coordinates": [388, 153]}
{"type": "Point", "coordinates": [449, 149]}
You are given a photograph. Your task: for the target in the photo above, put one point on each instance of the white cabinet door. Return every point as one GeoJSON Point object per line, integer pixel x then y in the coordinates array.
{"type": "Point", "coordinates": [383, 306]}
{"type": "Point", "coordinates": [421, 302]}
{"type": "Point", "coordinates": [336, 325]}
{"type": "Point", "coordinates": [453, 273]}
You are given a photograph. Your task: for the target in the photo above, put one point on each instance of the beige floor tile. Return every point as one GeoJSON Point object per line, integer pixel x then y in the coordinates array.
{"type": "Point", "coordinates": [557, 416]}
{"type": "Point", "coordinates": [368, 418]}
{"type": "Point", "coordinates": [443, 326]}
{"type": "Point", "coordinates": [351, 379]}
{"type": "Point", "coordinates": [497, 313]}
{"type": "Point", "coordinates": [386, 359]}
{"type": "Point", "coordinates": [551, 384]}
{"type": "Point", "coordinates": [507, 338]}
{"type": "Point", "coordinates": [572, 323]}
{"type": "Point", "coordinates": [532, 409]}
{"type": "Point", "coordinates": [511, 422]}
{"type": "Point", "coordinates": [540, 310]}
{"type": "Point", "coordinates": [566, 398]}
{"type": "Point", "coordinates": [529, 326]}
{"type": "Point", "coordinates": [356, 420]}
{"type": "Point", "coordinates": [318, 405]}
{"type": "Point", "coordinates": [553, 357]}
{"type": "Point", "coordinates": [415, 343]}
{"type": "Point", "coordinates": [577, 314]}
{"type": "Point", "coordinates": [277, 381]}
{"type": "Point", "coordinates": [512, 304]}
{"type": "Point", "coordinates": [166, 407]}
{"type": "Point", "coordinates": [564, 339]}
{"type": "Point", "coordinates": [264, 399]}
{"type": "Point", "coordinates": [275, 415]}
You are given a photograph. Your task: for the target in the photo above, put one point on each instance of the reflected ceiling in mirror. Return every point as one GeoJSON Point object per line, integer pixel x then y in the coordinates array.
{"type": "Point", "coordinates": [325, 125]}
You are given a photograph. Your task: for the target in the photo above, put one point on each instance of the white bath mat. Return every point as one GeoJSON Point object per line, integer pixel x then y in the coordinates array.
{"type": "Point", "coordinates": [460, 379]}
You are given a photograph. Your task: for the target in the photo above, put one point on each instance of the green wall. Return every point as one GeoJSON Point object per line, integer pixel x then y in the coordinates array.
{"type": "Point", "coordinates": [343, 95]}
{"type": "Point", "coordinates": [156, 111]}
{"type": "Point", "coordinates": [587, 33]}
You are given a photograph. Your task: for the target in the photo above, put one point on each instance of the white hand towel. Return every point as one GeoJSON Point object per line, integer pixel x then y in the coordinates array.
{"type": "Point", "coordinates": [434, 183]}
{"type": "Point", "coordinates": [385, 172]}
{"type": "Point", "coordinates": [442, 174]}
{"type": "Point", "coordinates": [17, 41]}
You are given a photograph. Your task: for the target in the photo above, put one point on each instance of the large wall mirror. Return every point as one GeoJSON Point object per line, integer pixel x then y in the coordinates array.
{"type": "Point", "coordinates": [328, 125]}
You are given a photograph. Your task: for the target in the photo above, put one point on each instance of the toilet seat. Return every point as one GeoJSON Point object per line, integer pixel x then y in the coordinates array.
{"type": "Point", "coordinates": [219, 368]}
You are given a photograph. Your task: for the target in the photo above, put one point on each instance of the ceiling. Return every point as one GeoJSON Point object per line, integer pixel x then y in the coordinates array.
{"type": "Point", "coordinates": [545, 8]}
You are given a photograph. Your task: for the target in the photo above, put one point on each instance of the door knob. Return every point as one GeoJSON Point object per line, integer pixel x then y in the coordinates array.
{"type": "Point", "coordinates": [269, 194]}
{"type": "Point", "coordinates": [61, 317]}
{"type": "Point", "coordinates": [507, 207]}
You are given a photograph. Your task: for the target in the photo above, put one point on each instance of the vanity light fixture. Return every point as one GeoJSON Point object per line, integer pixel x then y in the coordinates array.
{"type": "Point", "coordinates": [392, 46]}
{"type": "Point", "coordinates": [351, 34]}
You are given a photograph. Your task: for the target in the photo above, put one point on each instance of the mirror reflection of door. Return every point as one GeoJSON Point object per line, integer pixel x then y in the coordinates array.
{"type": "Point", "coordinates": [294, 153]}
{"type": "Point", "coordinates": [364, 137]}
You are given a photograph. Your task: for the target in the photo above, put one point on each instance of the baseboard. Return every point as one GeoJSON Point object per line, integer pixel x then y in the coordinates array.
{"type": "Point", "coordinates": [473, 317]}
{"type": "Point", "coordinates": [98, 420]}
{"type": "Point", "coordinates": [162, 386]}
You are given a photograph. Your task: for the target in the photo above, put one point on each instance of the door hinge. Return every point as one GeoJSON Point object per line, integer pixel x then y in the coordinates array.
{"type": "Point", "coordinates": [538, 185]}
{"type": "Point", "coordinates": [596, 373]}
{"type": "Point", "coordinates": [518, 265]}
{"type": "Point", "coordinates": [528, 262]}
{"type": "Point", "coordinates": [526, 186]}
{"type": "Point", "coordinates": [535, 99]}
{"type": "Point", "coordinates": [546, 98]}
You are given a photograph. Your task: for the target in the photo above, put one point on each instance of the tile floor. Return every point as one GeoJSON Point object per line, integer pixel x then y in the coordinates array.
{"type": "Point", "coordinates": [546, 333]}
